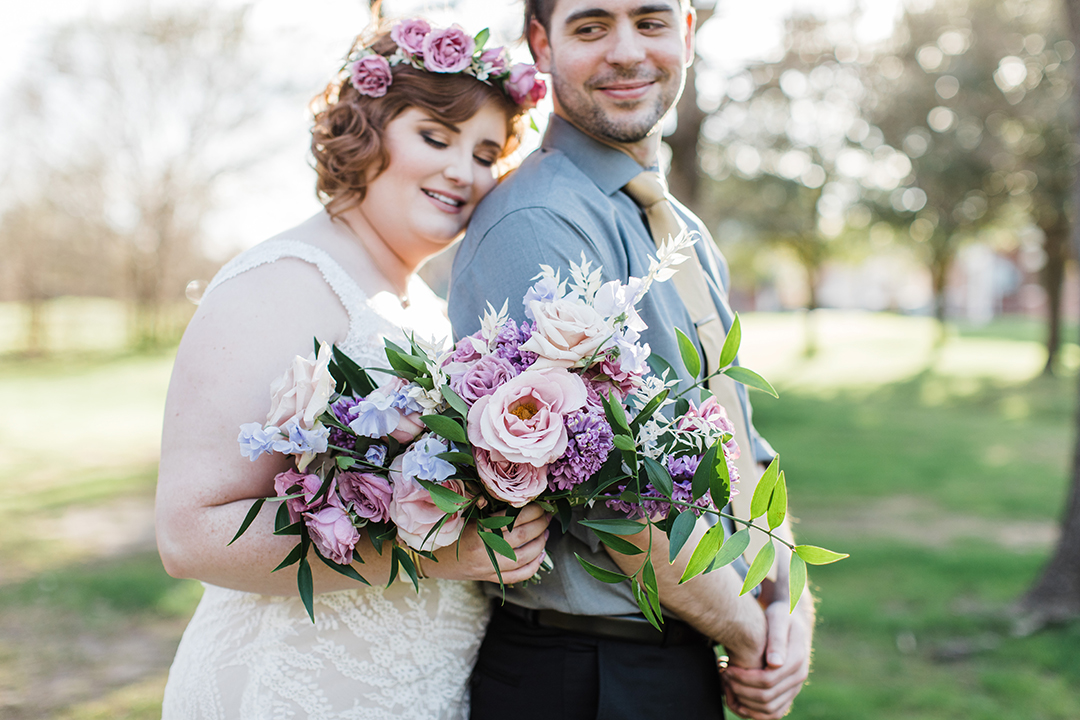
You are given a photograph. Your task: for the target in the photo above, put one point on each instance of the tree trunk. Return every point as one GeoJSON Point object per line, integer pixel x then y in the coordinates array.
{"type": "Point", "coordinates": [684, 175]}
{"type": "Point", "coordinates": [1053, 277]}
{"type": "Point", "coordinates": [1055, 596]}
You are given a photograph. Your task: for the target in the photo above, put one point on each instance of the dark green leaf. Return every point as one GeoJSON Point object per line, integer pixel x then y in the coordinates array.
{"type": "Point", "coordinates": [731, 343]}
{"type": "Point", "coordinates": [282, 519]}
{"type": "Point", "coordinates": [378, 533]}
{"type": "Point", "coordinates": [454, 400]}
{"type": "Point", "coordinates": [444, 498]}
{"type": "Point", "coordinates": [615, 526]}
{"type": "Point", "coordinates": [705, 474]}
{"type": "Point", "coordinates": [616, 416]}
{"type": "Point", "coordinates": [658, 476]}
{"type": "Point", "coordinates": [497, 543]}
{"type": "Point", "coordinates": [750, 379]}
{"type": "Point", "coordinates": [445, 427]}
{"type": "Point", "coordinates": [407, 565]}
{"type": "Point", "coordinates": [732, 548]}
{"type": "Point", "coordinates": [292, 557]}
{"type": "Point", "coordinates": [682, 406]}
{"type": "Point", "coordinates": [252, 513]}
{"type": "Point", "coordinates": [625, 443]}
{"type": "Point", "coordinates": [648, 577]}
{"type": "Point", "coordinates": [402, 368]}
{"type": "Point", "coordinates": [617, 544]}
{"type": "Point", "coordinates": [759, 568]}
{"type": "Point", "coordinates": [352, 379]}
{"type": "Point", "coordinates": [818, 555]}
{"type": "Point", "coordinates": [659, 366]}
{"type": "Point", "coordinates": [778, 503]}
{"type": "Point", "coordinates": [763, 492]}
{"type": "Point", "coordinates": [600, 573]}
{"type": "Point", "coordinates": [648, 410]}
{"type": "Point", "coordinates": [691, 358]}
{"type": "Point", "coordinates": [644, 605]}
{"type": "Point", "coordinates": [347, 570]}
{"type": "Point", "coordinates": [305, 586]}
{"type": "Point", "coordinates": [495, 564]}
{"type": "Point", "coordinates": [796, 580]}
{"type": "Point", "coordinates": [704, 552]}
{"type": "Point", "coordinates": [297, 528]}
{"type": "Point", "coordinates": [458, 458]}
{"type": "Point", "coordinates": [496, 522]}
{"type": "Point", "coordinates": [681, 530]}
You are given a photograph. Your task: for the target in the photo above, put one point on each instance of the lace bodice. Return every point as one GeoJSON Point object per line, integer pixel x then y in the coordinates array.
{"type": "Point", "coordinates": [372, 653]}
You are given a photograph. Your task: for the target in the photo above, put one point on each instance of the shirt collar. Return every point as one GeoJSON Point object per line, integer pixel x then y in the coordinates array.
{"type": "Point", "coordinates": [609, 168]}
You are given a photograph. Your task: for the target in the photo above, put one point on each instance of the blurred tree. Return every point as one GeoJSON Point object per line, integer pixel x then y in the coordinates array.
{"type": "Point", "coordinates": [170, 104]}
{"type": "Point", "coordinates": [1055, 596]}
{"type": "Point", "coordinates": [684, 173]}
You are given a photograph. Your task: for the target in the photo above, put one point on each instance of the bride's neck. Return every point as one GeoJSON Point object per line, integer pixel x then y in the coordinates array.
{"type": "Point", "coordinates": [395, 268]}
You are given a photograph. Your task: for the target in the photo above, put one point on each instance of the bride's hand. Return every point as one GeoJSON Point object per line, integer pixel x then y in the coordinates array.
{"type": "Point", "coordinates": [468, 559]}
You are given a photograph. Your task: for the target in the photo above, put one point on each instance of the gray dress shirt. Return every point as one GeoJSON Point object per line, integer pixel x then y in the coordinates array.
{"type": "Point", "coordinates": [566, 199]}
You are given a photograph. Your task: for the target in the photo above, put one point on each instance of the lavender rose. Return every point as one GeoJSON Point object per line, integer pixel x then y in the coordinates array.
{"type": "Point", "coordinates": [415, 513]}
{"type": "Point", "coordinates": [449, 50]}
{"type": "Point", "coordinates": [523, 419]}
{"type": "Point", "coordinates": [303, 392]}
{"type": "Point", "coordinates": [515, 483]}
{"type": "Point", "coordinates": [309, 486]}
{"type": "Point", "coordinates": [482, 378]}
{"type": "Point", "coordinates": [523, 86]}
{"type": "Point", "coordinates": [409, 35]}
{"type": "Point", "coordinates": [333, 533]}
{"type": "Point", "coordinates": [370, 75]}
{"type": "Point", "coordinates": [368, 494]}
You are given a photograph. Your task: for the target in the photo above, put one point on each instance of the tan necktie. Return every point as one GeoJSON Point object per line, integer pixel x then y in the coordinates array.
{"type": "Point", "coordinates": [648, 191]}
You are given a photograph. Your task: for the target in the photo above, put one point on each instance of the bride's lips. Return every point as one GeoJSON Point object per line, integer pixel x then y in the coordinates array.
{"type": "Point", "coordinates": [447, 202]}
{"type": "Point", "coordinates": [627, 91]}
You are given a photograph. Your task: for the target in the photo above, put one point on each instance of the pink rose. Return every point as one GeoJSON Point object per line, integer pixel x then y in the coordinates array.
{"type": "Point", "coordinates": [565, 332]}
{"type": "Point", "coordinates": [515, 483]}
{"type": "Point", "coordinates": [370, 75]}
{"type": "Point", "coordinates": [496, 57]}
{"type": "Point", "coordinates": [449, 50]}
{"type": "Point", "coordinates": [309, 485]}
{"type": "Point", "coordinates": [523, 86]}
{"type": "Point", "coordinates": [481, 378]}
{"type": "Point", "coordinates": [303, 392]}
{"type": "Point", "coordinates": [333, 533]}
{"type": "Point", "coordinates": [415, 513]}
{"type": "Point", "coordinates": [409, 35]}
{"type": "Point", "coordinates": [711, 415]}
{"type": "Point", "coordinates": [523, 420]}
{"type": "Point", "coordinates": [369, 494]}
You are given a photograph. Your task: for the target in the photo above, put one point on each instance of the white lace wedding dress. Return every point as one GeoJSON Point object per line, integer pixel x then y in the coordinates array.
{"type": "Point", "coordinates": [372, 653]}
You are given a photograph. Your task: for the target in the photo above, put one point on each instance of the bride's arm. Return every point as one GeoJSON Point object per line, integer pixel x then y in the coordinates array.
{"type": "Point", "coordinates": [240, 339]}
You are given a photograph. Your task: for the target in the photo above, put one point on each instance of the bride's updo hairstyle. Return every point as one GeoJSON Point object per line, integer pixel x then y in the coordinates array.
{"type": "Point", "coordinates": [351, 114]}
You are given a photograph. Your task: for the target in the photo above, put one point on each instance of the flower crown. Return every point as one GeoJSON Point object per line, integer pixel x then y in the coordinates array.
{"type": "Point", "coordinates": [447, 50]}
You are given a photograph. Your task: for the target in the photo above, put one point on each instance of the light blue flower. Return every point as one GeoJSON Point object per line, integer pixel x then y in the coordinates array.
{"type": "Point", "coordinates": [256, 440]}
{"type": "Point", "coordinates": [406, 403]}
{"type": "Point", "coordinates": [375, 416]}
{"type": "Point", "coordinates": [545, 290]}
{"type": "Point", "coordinates": [314, 440]}
{"type": "Point", "coordinates": [376, 454]}
{"type": "Point", "coordinates": [420, 462]}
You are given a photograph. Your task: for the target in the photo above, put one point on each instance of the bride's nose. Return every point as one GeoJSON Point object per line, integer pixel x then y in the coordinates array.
{"type": "Point", "coordinates": [460, 169]}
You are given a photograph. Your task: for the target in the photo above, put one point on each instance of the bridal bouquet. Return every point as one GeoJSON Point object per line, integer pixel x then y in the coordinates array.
{"type": "Point", "coordinates": [561, 410]}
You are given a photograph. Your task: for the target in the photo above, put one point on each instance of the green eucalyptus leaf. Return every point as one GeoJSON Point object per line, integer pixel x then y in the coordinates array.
{"type": "Point", "coordinates": [681, 530]}
{"type": "Point", "coordinates": [658, 476]}
{"type": "Point", "coordinates": [252, 513]}
{"type": "Point", "coordinates": [750, 379]}
{"type": "Point", "coordinates": [818, 555]}
{"type": "Point", "coordinates": [759, 568]}
{"type": "Point", "coordinates": [691, 358]}
{"type": "Point", "coordinates": [731, 343]}
{"type": "Point", "coordinates": [497, 543]}
{"type": "Point", "coordinates": [615, 526]}
{"type": "Point", "coordinates": [601, 574]}
{"type": "Point", "coordinates": [778, 503]}
{"type": "Point", "coordinates": [733, 547]}
{"type": "Point", "coordinates": [704, 552]}
{"type": "Point", "coordinates": [445, 427]}
{"type": "Point", "coordinates": [617, 544]}
{"type": "Point", "coordinates": [763, 492]}
{"type": "Point", "coordinates": [796, 580]}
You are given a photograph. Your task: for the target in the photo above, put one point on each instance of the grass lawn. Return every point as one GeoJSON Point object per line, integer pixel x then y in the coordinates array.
{"type": "Point", "coordinates": [941, 472]}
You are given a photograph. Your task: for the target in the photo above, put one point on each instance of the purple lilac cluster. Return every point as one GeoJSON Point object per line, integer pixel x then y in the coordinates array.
{"type": "Point", "coordinates": [509, 341]}
{"type": "Point", "coordinates": [682, 471]}
{"type": "Point", "coordinates": [589, 443]}
{"type": "Point", "coordinates": [344, 409]}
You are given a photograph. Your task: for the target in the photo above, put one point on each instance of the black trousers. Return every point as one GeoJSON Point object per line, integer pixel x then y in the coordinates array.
{"type": "Point", "coordinates": [527, 672]}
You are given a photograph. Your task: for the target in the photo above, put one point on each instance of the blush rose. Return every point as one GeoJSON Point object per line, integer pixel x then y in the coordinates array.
{"type": "Point", "coordinates": [514, 483]}
{"type": "Point", "coordinates": [303, 392]}
{"type": "Point", "coordinates": [415, 513]}
{"type": "Point", "coordinates": [565, 332]}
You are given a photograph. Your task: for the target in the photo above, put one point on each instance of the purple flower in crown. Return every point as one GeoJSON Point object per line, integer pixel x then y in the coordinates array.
{"type": "Point", "coordinates": [449, 50]}
{"type": "Point", "coordinates": [370, 75]}
{"type": "Point", "coordinates": [495, 60]}
{"type": "Point", "coordinates": [409, 35]}
{"type": "Point", "coordinates": [523, 86]}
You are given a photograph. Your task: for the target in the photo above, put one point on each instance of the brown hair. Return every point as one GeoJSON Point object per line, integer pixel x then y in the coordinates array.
{"type": "Point", "coordinates": [347, 136]}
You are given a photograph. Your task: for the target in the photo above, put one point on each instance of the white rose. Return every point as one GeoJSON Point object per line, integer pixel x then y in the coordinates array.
{"type": "Point", "coordinates": [565, 332]}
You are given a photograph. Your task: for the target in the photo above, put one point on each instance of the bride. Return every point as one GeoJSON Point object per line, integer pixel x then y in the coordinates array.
{"type": "Point", "coordinates": [406, 142]}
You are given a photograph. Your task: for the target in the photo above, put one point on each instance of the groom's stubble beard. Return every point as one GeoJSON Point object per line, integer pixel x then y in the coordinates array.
{"type": "Point", "coordinates": [593, 118]}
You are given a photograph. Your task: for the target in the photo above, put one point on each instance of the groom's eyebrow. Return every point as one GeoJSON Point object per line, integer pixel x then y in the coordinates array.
{"type": "Point", "coordinates": [652, 9]}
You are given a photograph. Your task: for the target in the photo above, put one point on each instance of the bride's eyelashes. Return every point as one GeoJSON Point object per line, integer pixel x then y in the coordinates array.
{"type": "Point", "coordinates": [430, 139]}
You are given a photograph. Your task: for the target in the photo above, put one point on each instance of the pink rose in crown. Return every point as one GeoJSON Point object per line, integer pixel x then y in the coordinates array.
{"type": "Point", "coordinates": [523, 86]}
{"type": "Point", "coordinates": [496, 57]}
{"type": "Point", "coordinates": [415, 513]}
{"type": "Point", "coordinates": [370, 75]}
{"type": "Point", "coordinates": [449, 50]}
{"type": "Point", "coordinates": [303, 392]}
{"type": "Point", "coordinates": [482, 378]}
{"type": "Point", "coordinates": [409, 35]}
{"type": "Point", "coordinates": [291, 482]}
{"type": "Point", "coordinates": [523, 420]}
{"type": "Point", "coordinates": [565, 332]}
{"type": "Point", "coordinates": [369, 494]}
{"type": "Point", "coordinates": [333, 533]}
{"type": "Point", "coordinates": [515, 483]}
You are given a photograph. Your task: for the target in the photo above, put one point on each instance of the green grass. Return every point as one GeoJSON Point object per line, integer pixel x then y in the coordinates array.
{"type": "Point", "coordinates": [926, 465]}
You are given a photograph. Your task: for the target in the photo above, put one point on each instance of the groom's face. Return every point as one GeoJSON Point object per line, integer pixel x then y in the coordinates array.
{"type": "Point", "coordinates": [617, 66]}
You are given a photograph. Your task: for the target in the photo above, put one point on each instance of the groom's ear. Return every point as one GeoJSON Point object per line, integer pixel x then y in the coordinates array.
{"type": "Point", "coordinates": [540, 46]}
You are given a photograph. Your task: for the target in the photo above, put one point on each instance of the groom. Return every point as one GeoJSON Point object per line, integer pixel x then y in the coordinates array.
{"type": "Point", "coordinates": [573, 647]}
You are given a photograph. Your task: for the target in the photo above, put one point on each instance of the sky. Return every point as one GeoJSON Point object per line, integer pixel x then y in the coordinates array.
{"type": "Point", "coordinates": [320, 31]}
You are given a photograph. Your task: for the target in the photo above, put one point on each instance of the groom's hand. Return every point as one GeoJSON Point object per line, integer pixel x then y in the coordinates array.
{"type": "Point", "coordinates": [767, 693]}
{"type": "Point", "coordinates": [468, 559]}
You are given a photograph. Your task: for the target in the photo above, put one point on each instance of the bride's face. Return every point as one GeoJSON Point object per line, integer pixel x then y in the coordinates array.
{"type": "Point", "coordinates": [437, 174]}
